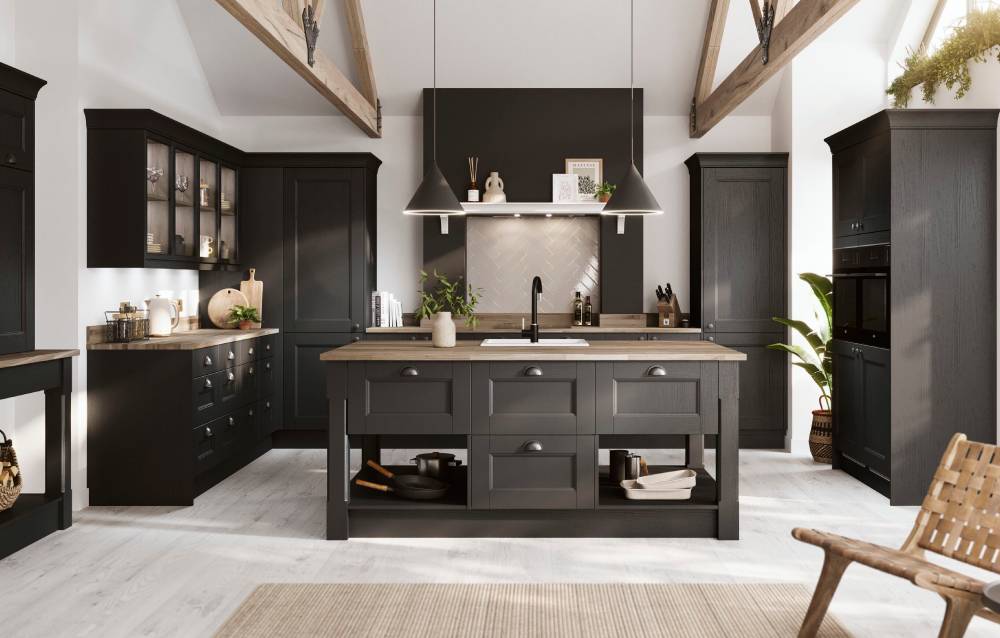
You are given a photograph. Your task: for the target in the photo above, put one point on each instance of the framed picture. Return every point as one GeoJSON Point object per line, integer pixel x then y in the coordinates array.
{"type": "Point", "coordinates": [590, 173]}
{"type": "Point", "coordinates": [564, 187]}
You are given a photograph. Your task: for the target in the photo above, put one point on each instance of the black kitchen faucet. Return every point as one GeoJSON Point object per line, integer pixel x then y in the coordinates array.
{"type": "Point", "coordinates": [536, 289]}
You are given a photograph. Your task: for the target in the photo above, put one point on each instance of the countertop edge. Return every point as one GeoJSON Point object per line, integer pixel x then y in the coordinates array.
{"type": "Point", "coordinates": [578, 330]}
{"type": "Point", "coordinates": [16, 359]}
{"type": "Point", "coordinates": [600, 351]}
{"type": "Point", "coordinates": [184, 341]}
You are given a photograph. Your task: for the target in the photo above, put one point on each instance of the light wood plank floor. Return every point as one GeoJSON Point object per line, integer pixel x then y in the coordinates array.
{"type": "Point", "coordinates": [182, 571]}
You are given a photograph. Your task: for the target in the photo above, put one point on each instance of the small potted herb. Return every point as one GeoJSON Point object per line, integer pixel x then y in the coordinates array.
{"type": "Point", "coordinates": [245, 316]}
{"type": "Point", "coordinates": [605, 191]}
{"type": "Point", "coordinates": [455, 297]}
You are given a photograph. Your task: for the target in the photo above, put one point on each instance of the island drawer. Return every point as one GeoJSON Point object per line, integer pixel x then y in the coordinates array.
{"type": "Point", "coordinates": [542, 397]}
{"type": "Point", "coordinates": [410, 397]}
{"type": "Point", "coordinates": [533, 472]}
{"type": "Point", "coordinates": [657, 397]}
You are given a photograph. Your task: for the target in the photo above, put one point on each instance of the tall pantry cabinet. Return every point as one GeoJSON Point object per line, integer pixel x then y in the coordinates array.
{"type": "Point", "coordinates": [739, 277]}
{"type": "Point", "coordinates": [318, 278]}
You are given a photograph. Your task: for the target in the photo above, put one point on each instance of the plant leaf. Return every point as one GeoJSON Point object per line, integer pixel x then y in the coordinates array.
{"type": "Point", "coordinates": [814, 340]}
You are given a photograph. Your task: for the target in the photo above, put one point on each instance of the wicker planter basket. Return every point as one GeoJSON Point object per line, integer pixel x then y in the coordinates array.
{"type": "Point", "coordinates": [8, 495]}
{"type": "Point", "coordinates": [821, 436]}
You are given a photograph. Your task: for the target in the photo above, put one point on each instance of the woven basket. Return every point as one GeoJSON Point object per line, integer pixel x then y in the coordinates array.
{"type": "Point", "coordinates": [8, 495]}
{"type": "Point", "coordinates": [821, 436]}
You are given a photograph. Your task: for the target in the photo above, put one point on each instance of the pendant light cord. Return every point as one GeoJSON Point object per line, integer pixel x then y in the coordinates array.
{"type": "Point", "coordinates": [631, 79]}
{"type": "Point", "coordinates": [434, 115]}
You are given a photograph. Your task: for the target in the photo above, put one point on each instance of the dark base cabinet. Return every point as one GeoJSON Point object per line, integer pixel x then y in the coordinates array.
{"type": "Point", "coordinates": [166, 425]}
{"type": "Point", "coordinates": [306, 407]}
{"type": "Point", "coordinates": [533, 431]}
{"type": "Point", "coordinates": [861, 409]}
{"type": "Point", "coordinates": [763, 389]}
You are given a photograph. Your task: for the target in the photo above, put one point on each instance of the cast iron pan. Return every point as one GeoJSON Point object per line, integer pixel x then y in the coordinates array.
{"type": "Point", "coordinates": [410, 486]}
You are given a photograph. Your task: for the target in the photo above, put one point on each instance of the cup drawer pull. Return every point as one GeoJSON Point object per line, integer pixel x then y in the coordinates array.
{"type": "Point", "coordinates": [533, 371]}
{"type": "Point", "coordinates": [208, 384]}
{"type": "Point", "coordinates": [409, 372]}
{"type": "Point", "coordinates": [533, 446]}
{"type": "Point", "coordinates": [208, 360]}
{"type": "Point", "coordinates": [656, 371]}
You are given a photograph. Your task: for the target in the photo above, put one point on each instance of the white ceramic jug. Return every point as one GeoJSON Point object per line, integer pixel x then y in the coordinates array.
{"type": "Point", "coordinates": [161, 323]}
{"type": "Point", "coordinates": [494, 189]}
{"type": "Point", "coordinates": [443, 331]}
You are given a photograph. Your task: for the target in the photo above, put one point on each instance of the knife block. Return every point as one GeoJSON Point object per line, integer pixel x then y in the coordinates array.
{"type": "Point", "coordinates": [670, 313]}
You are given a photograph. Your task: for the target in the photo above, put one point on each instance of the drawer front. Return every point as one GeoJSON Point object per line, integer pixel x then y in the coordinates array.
{"type": "Point", "coordinates": [205, 361]}
{"type": "Point", "coordinates": [650, 397]}
{"type": "Point", "coordinates": [205, 392]}
{"type": "Point", "coordinates": [230, 354]}
{"type": "Point", "coordinates": [546, 397]}
{"type": "Point", "coordinates": [247, 350]}
{"type": "Point", "coordinates": [206, 447]}
{"type": "Point", "coordinates": [266, 369]}
{"type": "Point", "coordinates": [410, 398]}
{"type": "Point", "coordinates": [266, 418]}
{"type": "Point", "coordinates": [238, 385]}
{"type": "Point", "coordinates": [266, 346]}
{"type": "Point", "coordinates": [540, 472]}
{"type": "Point", "coordinates": [236, 431]}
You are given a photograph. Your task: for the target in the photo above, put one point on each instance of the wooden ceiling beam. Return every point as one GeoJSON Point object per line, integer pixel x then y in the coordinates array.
{"type": "Point", "coordinates": [362, 53]}
{"type": "Point", "coordinates": [273, 26]}
{"type": "Point", "coordinates": [758, 15]}
{"type": "Point", "coordinates": [802, 24]}
{"type": "Point", "coordinates": [717, 13]}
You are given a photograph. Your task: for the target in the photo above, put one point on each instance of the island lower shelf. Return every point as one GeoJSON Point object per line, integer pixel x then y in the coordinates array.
{"type": "Point", "coordinates": [534, 431]}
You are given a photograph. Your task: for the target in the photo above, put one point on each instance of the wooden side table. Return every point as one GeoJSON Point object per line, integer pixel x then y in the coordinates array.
{"type": "Point", "coordinates": [35, 516]}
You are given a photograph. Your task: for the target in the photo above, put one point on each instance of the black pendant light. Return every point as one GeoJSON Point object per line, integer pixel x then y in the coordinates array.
{"type": "Point", "coordinates": [434, 196]}
{"type": "Point", "coordinates": [632, 196]}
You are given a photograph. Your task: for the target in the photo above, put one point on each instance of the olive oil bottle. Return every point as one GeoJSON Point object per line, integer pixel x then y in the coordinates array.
{"type": "Point", "coordinates": [588, 313]}
{"type": "Point", "coordinates": [578, 310]}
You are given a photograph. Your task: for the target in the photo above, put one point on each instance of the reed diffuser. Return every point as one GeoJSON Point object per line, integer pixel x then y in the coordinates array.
{"type": "Point", "coordinates": [472, 194]}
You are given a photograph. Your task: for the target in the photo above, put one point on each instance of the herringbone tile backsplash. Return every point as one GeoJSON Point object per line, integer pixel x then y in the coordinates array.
{"type": "Point", "coordinates": [505, 253]}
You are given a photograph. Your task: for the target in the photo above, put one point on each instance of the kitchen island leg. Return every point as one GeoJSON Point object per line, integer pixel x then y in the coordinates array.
{"type": "Point", "coordinates": [727, 453]}
{"type": "Point", "coordinates": [338, 487]}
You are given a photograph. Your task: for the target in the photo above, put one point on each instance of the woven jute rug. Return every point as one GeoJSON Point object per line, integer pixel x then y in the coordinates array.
{"type": "Point", "coordinates": [508, 610]}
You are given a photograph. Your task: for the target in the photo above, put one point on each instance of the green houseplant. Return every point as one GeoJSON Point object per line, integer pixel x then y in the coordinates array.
{"type": "Point", "coordinates": [605, 191]}
{"type": "Point", "coordinates": [455, 297]}
{"type": "Point", "coordinates": [816, 361]}
{"type": "Point", "coordinates": [245, 316]}
{"type": "Point", "coordinates": [975, 41]}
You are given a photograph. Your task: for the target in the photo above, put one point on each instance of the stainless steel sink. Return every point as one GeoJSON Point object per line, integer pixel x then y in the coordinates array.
{"type": "Point", "coordinates": [546, 343]}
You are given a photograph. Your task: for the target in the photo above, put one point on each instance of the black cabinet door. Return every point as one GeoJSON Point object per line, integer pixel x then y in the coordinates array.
{"type": "Point", "coordinates": [324, 249]}
{"type": "Point", "coordinates": [848, 191]}
{"type": "Point", "coordinates": [743, 248]}
{"type": "Point", "coordinates": [17, 131]}
{"type": "Point", "coordinates": [17, 261]}
{"type": "Point", "coordinates": [305, 400]}
{"type": "Point", "coordinates": [875, 383]}
{"type": "Point", "coordinates": [861, 188]}
{"type": "Point", "coordinates": [848, 421]}
{"type": "Point", "coordinates": [876, 200]}
{"type": "Point", "coordinates": [763, 388]}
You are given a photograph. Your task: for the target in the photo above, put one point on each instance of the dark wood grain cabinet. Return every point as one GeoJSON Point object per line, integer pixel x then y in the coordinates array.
{"type": "Point", "coordinates": [159, 194]}
{"type": "Point", "coordinates": [17, 209]}
{"type": "Point", "coordinates": [739, 276]}
{"type": "Point", "coordinates": [165, 425]}
{"type": "Point", "coordinates": [304, 395]}
{"type": "Point", "coordinates": [915, 187]}
{"type": "Point", "coordinates": [552, 397]}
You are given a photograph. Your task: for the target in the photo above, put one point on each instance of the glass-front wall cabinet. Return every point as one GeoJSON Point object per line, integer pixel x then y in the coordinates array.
{"type": "Point", "coordinates": [185, 191]}
{"type": "Point", "coordinates": [227, 215]}
{"type": "Point", "coordinates": [157, 198]}
{"type": "Point", "coordinates": [208, 208]}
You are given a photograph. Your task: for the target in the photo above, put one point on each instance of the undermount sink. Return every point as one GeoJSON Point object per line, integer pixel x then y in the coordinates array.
{"type": "Point", "coordinates": [547, 343]}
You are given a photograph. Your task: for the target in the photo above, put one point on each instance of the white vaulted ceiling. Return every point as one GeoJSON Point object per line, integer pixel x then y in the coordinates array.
{"type": "Point", "coordinates": [490, 43]}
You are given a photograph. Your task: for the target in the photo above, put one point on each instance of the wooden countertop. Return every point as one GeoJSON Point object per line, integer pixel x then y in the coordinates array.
{"type": "Point", "coordinates": [581, 330]}
{"type": "Point", "coordinates": [34, 356]}
{"type": "Point", "coordinates": [596, 351]}
{"type": "Point", "coordinates": [187, 340]}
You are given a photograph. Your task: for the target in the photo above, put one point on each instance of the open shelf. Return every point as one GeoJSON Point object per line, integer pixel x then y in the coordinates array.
{"type": "Point", "coordinates": [533, 208]}
{"type": "Point", "coordinates": [612, 497]}
{"type": "Point", "coordinates": [366, 498]}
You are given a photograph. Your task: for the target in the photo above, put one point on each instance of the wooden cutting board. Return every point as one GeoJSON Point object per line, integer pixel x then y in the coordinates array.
{"type": "Point", "coordinates": [253, 290]}
{"type": "Point", "coordinates": [221, 302]}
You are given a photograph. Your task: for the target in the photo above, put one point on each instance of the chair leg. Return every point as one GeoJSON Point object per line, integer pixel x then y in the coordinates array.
{"type": "Point", "coordinates": [829, 578]}
{"type": "Point", "coordinates": [957, 616]}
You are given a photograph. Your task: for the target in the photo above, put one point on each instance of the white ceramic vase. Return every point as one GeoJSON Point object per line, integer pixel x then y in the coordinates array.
{"type": "Point", "coordinates": [494, 190]}
{"type": "Point", "coordinates": [443, 331]}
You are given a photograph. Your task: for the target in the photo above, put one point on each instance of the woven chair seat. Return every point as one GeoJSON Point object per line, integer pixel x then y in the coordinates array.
{"type": "Point", "coordinates": [891, 561]}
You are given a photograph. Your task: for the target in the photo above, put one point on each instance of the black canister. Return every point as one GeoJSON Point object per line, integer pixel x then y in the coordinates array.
{"type": "Point", "coordinates": [619, 462]}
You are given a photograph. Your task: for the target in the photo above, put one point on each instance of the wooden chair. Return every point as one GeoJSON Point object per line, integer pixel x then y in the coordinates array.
{"type": "Point", "coordinates": [959, 518]}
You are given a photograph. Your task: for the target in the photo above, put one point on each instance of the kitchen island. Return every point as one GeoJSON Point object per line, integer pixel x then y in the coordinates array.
{"type": "Point", "coordinates": [533, 420]}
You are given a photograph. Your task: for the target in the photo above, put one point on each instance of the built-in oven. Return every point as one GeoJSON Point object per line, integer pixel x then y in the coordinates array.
{"type": "Point", "coordinates": [861, 295]}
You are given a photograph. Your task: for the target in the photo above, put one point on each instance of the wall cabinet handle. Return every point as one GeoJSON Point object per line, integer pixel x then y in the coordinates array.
{"type": "Point", "coordinates": [656, 371]}
{"type": "Point", "coordinates": [409, 372]}
{"type": "Point", "coordinates": [533, 446]}
{"type": "Point", "coordinates": [533, 371]}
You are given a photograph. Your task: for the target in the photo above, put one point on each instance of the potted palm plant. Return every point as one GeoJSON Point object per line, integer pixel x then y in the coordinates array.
{"type": "Point", "coordinates": [816, 362]}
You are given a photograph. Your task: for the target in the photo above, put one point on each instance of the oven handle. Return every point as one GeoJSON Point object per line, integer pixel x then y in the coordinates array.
{"type": "Point", "coordinates": [859, 275]}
